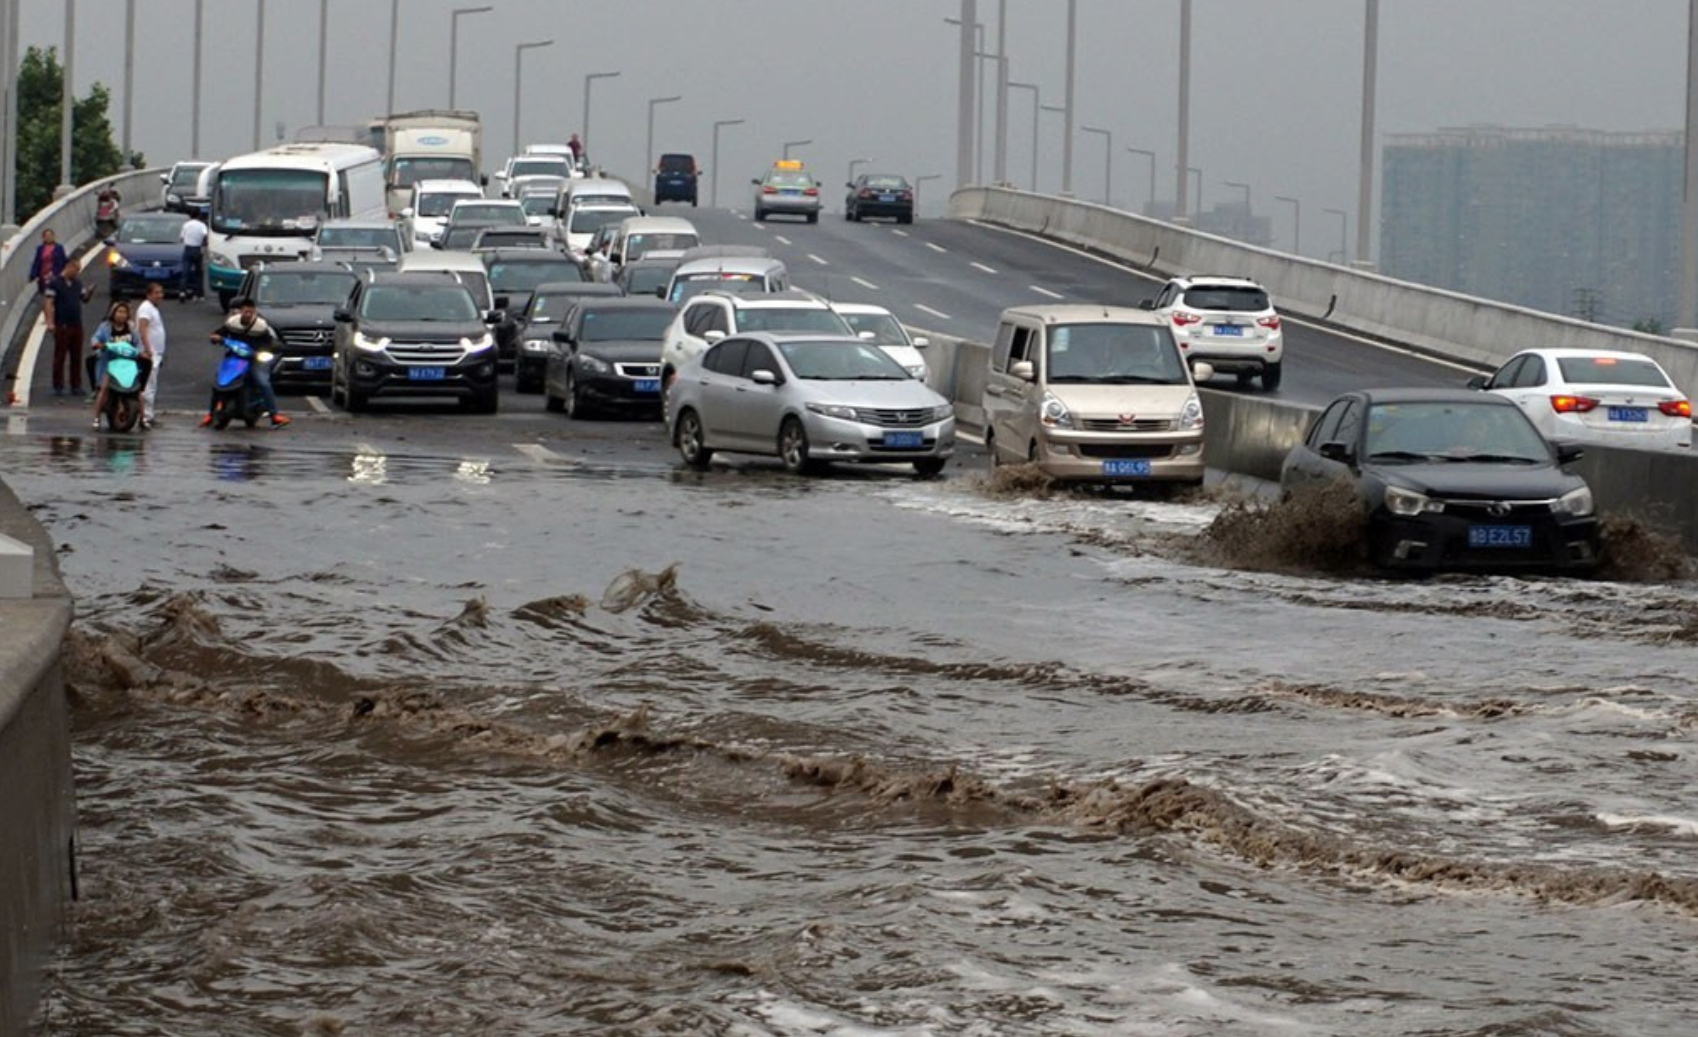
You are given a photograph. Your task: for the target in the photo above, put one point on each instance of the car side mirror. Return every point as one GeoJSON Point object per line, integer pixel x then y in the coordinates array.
{"type": "Point", "coordinates": [922, 342]}
{"type": "Point", "coordinates": [165, 178]}
{"type": "Point", "coordinates": [1568, 453]}
{"type": "Point", "coordinates": [1335, 451]}
{"type": "Point", "coordinates": [342, 316]}
{"type": "Point", "coordinates": [110, 242]}
{"type": "Point", "coordinates": [502, 302]}
{"type": "Point", "coordinates": [1202, 371]}
{"type": "Point", "coordinates": [756, 181]}
{"type": "Point", "coordinates": [1477, 382]}
{"type": "Point", "coordinates": [1147, 304]}
{"type": "Point", "coordinates": [713, 336]}
{"type": "Point", "coordinates": [660, 291]}
{"type": "Point", "coordinates": [495, 316]}
{"type": "Point", "coordinates": [850, 185]}
{"type": "Point", "coordinates": [1023, 370]}
{"type": "Point", "coordinates": [502, 175]}
{"type": "Point", "coordinates": [483, 180]}
{"type": "Point", "coordinates": [763, 377]}
{"type": "Point", "coordinates": [562, 336]}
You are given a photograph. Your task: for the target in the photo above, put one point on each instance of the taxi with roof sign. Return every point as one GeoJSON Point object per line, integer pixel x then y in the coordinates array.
{"type": "Point", "coordinates": [787, 189]}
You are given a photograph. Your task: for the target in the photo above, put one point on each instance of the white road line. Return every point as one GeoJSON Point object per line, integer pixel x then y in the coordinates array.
{"type": "Point", "coordinates": [936, 248]}
{"type": "Point", "coordinates": [927, 309]}
{"type": "Point", "coordinates": [1045, 291]}
{"type": "Point", "coordinates": [864, 283]}
{"type": "Point", "coordinates": [817, 259]}
{"type": "Point", "coordinates": [781, 239]}
{"type": "Point", "coordinates": [1300, 322]}
{"type": "Point", "coordinates": [981, 266]}
{"type": "Point", "coordinates": [758, 225]}
{"type": "Point", "coordinates": [968, 436]}
{"type": "Point", "coordinates": [740, 216]}
{"type": "Point", "coordinates": [317, 404]}
{"type": "Point", "coordinates": [899, 233]}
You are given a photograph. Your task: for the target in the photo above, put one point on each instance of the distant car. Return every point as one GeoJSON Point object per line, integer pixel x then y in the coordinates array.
{"type": "Point", "coordinates": [427, 209]}
{"type": "Point", "coordinates": [649, 274]}
{"type": "Point", "coordinates": [410, 335]}
{"type": "Point", "coordinates": [532, 170]}
{"type": "Point", "coordinates": [361, 234]}
{"type": "Point", "coordinates": [879, 326]}
{"type": "Point", "coordinates": [539, 206]}
{"type": "Point", "coordinates": [468, 215]}
{"type": "Point", "coordinates": [675, 177]}
{"type": "Point", "coordinates": [1228, 321]}
{"type": "Point", "coordinates": [1451, 479]}
{"type": "Point", "coordinates": [551, 304]}
{"type": "Point", "coordinates": [733, 273]}
{"type": "Point", "coordinates": [514, 274]}
{"type": "Point", "coordinates": [1597, 397]}
{"type": "Point", "coordinates": [608, 357]}
{"type": "Point", "coordinates": [180, 185]}
{"type": "Point", "coordinates": [879, 195]}
{"type": "Point", "coordinates": [787, 189]}
{"type": "Point", "coordinates": [146, 249]}
{"type": "Point", "coordinates": [300, 301]}
{"type": "Point", "coordinates": [714, 315]}
{"type": "Point", "coordinates": [584, 220]}
{"type": "Point", "coordinates": [808, 400]}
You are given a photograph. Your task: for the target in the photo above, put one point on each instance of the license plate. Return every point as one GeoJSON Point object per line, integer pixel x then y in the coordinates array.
{"type": "Point", "coordinates": [160, 275]}
{"type": "Point", "coordinates": [1640, 414]}
{"type": "Point", "coordinates": [315, 363]}
{"type": "Point", "coordinates": [904, 440]}
{"type": "Point", "coordinates": [646, 385]}
{"type": "Point", "coordinates": [1229, 330]}
{"type": "Point", "coordinates": [427, 374]}
{"type": "Point", "coordinates": [887, 198]}
{"type": "Point", "coordinates": [1123, 468]}
{"type": "Point", "coordinates": [790, 191]}
{"type": "Point", "coordinates": [1500, 536]}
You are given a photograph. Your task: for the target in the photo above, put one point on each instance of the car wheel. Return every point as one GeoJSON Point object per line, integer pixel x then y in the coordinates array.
{"type": "Point", "coordinates": [849, 215]}
{"type": "Point", "coordinates": [793, 447]}
{"type": "Point", "coordinates": [553, 403]}
{"type": "Point", "coordinates": [1271, 377]}
{"type": "Point", "coordinates": [358, 402]}
{"type": "Point", "coordinates": [813, 217]}
{"type": "Point", "coordinates": [760, 214]}
{"type": "Point", "coordinates": [692, 201]}
{"type": "Point", "coordinates": [905, 219]}
{"type": "Point", "coordinates": [691, 447]}
{"type": "Point", "coordinates": [1245, 378]}
{"type": "Point", "coordinates": [576, 408]}
{"type": "Point", "coordinates": [929, 467]}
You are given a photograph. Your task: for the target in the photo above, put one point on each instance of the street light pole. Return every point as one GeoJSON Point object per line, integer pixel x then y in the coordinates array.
{"type": "Point", "coordinates": [1343, 235]}
{"type": "Point", "coordinates": [1687, 316]}
{"type": "Point", "coordinates": [8, 84]}
{"type": "Point", "coordinates": [323, 54]}
{"type": "Point", "coordinates": [454, 49]}
{"type": "Point", "coordinates": [259, 68]}
{"type": "Point", "coordinates": [1198, 173]}
{"type": "Point", "coordinates": [394, 52]}
{"type": "Point", "coordinates": [648, 148]}
{"type": "Point", "coordinates": [518, 82]}
{"type": "Point", "coordinates": [920, 182]}
{"type": "Point", "coordinates": [589, 80]}
{"type": "Point", "coordinates": [1181, 210]}
{"type": "Point", "coordinates": [129, 72]}
{"type": "Point", "coordinates": [1296, 222]}
{"type": "Point", "coordinates": [194, 105]}
{"type": "Point", "coordinates": [1036, 102]}
{"type": "Point", "coordinates": [1244, 224]}
{"type": "Point", "coordinates": [713, 192]}
{"type": "Point", "coordinates": [795, 144]}
{"type": "Point", "coordinates": [1150, 208]}
{"type": "Point", "coordinates": [1365, 188]}
{"type": "Point", "coordinates": [67, 96]}
{"type": "Point", "coordinates": [1108, 162]}
{"type": "Point", "coordinates": [966, 90]}
{"type": "Point", "coordinates": [858, 162]}
{"type": "Point", "coordinates": [1067, 102]}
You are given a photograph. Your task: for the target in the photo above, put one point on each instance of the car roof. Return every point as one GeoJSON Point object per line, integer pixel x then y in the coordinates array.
{"type": "Point", "coordinates": [733, 264]}
{"type": "Point", "coordinates": [351, 223]}
{"type": "Point", "coordinates": [441, 259]}
{"type": "Point", "coordinates": [1584, 354]}
{"type": "Point", "coordinates": [1433, 394]}
{"type": "Point", "coordinates": [660, 224]}
{"type": "Point", "coordinates": [526, 255]}
{"type": "Point", "coordinates": [1076, 313]}
{"type": "Point", "coordinates": [861, 308]}
{"type": "Point", "coordinates": [790, 298]}
{"type": "Point", "coordinates": [455, 186]}
{"type": "Point", "coordinates": [709, 251]}
{"type": "Point", "coordinates": [776, 338]}
{"type": "Point", "coordinates": [1218, 279]}
{"type": "Point", "coordinates": [512, 203]}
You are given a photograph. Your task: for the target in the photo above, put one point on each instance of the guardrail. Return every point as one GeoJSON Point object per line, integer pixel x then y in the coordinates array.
{"type": "Point", "coordinates": [71, 219]}
{"type": "Point", "coordinates": [1446, 324]}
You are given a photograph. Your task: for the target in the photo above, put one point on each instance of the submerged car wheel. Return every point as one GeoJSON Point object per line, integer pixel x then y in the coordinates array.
{"type": "Point", "coordinates": [690, 444]}
{"type": "Point", "coordinates": [928, 467]}
{"type": "Point", "coordinates": [576, 408]}
{"type": "Point", "coordinates": [793, 447]}
{"type": "Point", "coordinates": [992, 462]}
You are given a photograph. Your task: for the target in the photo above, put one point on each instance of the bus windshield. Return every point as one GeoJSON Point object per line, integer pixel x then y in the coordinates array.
{"type": "Point", "coordinates": [275, 202]}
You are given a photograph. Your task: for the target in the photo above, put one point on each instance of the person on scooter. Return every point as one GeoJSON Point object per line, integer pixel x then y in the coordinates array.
{"type": "Point", "coordinates": [244, 324]}
{"type": "Point", "coordinates": [115, 328]}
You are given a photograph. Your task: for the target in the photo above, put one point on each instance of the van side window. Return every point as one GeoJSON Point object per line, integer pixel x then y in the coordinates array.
{"type": "Point", "coordinates": [1019, 348]}
{"type": "Point", "coordinates": [999, 351]}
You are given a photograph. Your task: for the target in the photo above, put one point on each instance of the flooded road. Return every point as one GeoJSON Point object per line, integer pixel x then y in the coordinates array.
{"type": "Point", "coordinates": [476, 731]}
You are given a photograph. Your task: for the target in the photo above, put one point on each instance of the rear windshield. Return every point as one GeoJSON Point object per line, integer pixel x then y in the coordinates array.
{"type": "Point", "coordinates": [637, 244]}
{"type": "Point", "coordinates": [643, 280]}
{"type": "Point", "coordinates": [793, 318]}
{"type": "Point", "coordinates": [539, 167]}
{"type": "Point", "coordinates": [438, 204]}
{"type": "Point", "coordinates": [1113, 354]}
{"type": "Point", "coordinates": [677, 164]}
{"type": "Point", "coordinates": [1230, 298]}
{"type": "Point", "coordinates": [358, 237]}
{"type": "Point", "coordinates": [612, 325]}
{"type": "Point", "coordinates": [588, 221]}
{"type": "Point", "coordinates": [491, 212]}
{"type": "Point", "coordinates": [790, 180]}
{"type": "Point", "coordinates": [1609, 370]}
{"type": "Point", "coordinates": [186, 176]}
{"type": "Point", "coordinates": [889, 183]}
{"type": "Point", "coordinates": [537, 204]}
{"type": "Point", "coordinates": [151, 230]}
{"type": "Point", "coordinates": [683, 291]}
{"type": "Point", "coordinates": [524, 277]}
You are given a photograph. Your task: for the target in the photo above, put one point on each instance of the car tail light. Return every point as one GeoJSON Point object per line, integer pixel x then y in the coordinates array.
{"type": "Point", "coordinates": [864, 193]}
{"type": "Point", "coordinates": [769, 190]}
{"type": "Point", "coordinates": [812, 192]}
{"type": "Point", "coordinates": [1575, 404]}
{"type": "Point", "coordinates": [1182, 319]}
{"type": "Point", "coordinates": [1271, 323]}
{"type": "Point", "coordinates": [1676, 408]}
{"type": "Point", "coordinates": [906, 196]}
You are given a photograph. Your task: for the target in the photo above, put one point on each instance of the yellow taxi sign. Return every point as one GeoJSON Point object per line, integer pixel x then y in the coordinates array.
{"type": "Point", "coordinates": [787, 163]}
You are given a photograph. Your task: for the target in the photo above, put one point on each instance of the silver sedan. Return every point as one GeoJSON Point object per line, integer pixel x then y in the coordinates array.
{"type": "Point", "coordinates": [807, 400]}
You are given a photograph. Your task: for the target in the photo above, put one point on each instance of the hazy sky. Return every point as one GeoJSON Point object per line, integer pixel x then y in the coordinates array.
{"type": "Point", "coordinates": [1276, 83]}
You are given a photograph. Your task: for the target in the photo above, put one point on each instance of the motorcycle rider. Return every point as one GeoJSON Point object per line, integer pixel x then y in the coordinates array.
{"type": "Point", "coordinates": [244, 324]}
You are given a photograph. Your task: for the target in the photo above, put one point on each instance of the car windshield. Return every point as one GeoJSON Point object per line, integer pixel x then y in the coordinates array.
{"type": "Point", "coordinates": [537, 204]}
{"type": "Point", "coordinates": [848, 361]}
{"type": "Point", "coordinates": [684, 291]}
{"type": "Point", "coordinates": [793, 318]}
{"type": "Point", "coordinates": [588, 221]}
{"type": "Point", "coordinates": [186, 176]}
{"type": "Point", "coordinates": [358, 237]}
{"type": "Point", "coordinates": [644, 280]}
{"type": "Point", "coordinates": [434, 206]}
{"type": "Point", "coordinates": [887, 183]}
{"type": "Point", "coordinates": [408, 171]}
{"type": "Point", "coordinates": [539, 167]}
{"type": "Point", "coordinates": [270, 201]}
{"type": "Point", "coordinates": [284, 288]}
{"type": "Point", "coordinates": [1609, 370]}
{"type": "Point", "coordinates": [1113, 354]}
{"type": "Point", "coordinates": [460, 237]}
{"type": "Point", "coordinates": [524, 277]}
{"type": "Point", "coordinates": [625, 324]}
{"type": "Point", "coordinates": [637, 244]}
{"type": "Point", "coordinates": [549, 308]}
{"type": "Point", "coordinates": [1456, 431]}
{"type": "Point", "coordinates": [1230, 298]}
{"type": "Point", "coordinates": [887, 330]}
{"type": "Point", "coordinates": [150, 230]}
{"type": "Point", "coordinates": [789, 180]}
{"type": "Point", "coordinates": [445, 302]}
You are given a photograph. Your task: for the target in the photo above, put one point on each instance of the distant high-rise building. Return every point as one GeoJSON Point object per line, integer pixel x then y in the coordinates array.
{"type": "Point", "coordinates": [1563, 220]}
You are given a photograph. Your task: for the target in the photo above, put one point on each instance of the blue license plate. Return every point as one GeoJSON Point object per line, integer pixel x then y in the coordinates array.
{"type": "Point", "coordinates": [1500, 536]}
{"type": "Point", "coordinates": [790, 190]}
{"type": "Point", "coordinates": [887, 198]}
{"type": "Point", "coordinates": [1137, 468]}
{"type": "Point", "coordinates": [646, 385]}
{"type": "Point", "coordinates": [1640, 414]}
{"type": "Point", "coordinates": [315, 363]}
{"type": "Point", "coordinates": [1229, 330]}
{"type": "Point", "coordinates": [904, 440]}
{"type": "Point", "coordinates": [427, 374]}
{"type": "Point", "coordinates": [160, 274]}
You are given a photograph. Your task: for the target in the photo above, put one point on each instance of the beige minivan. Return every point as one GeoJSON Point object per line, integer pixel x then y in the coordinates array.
{"type": "Point", "coordinates": [1094, 394]}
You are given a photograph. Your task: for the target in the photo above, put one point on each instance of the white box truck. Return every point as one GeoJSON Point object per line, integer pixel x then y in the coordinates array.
{"type": "Point", "coordinates": [430, 145]}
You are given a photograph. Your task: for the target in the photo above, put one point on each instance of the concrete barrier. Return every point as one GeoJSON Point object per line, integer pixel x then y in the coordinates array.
{"type": "Point", "coordinates": [37, 809]}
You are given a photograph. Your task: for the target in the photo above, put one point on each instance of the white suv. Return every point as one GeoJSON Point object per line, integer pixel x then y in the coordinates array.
{"type": "Point", "coordinates": [1228, 321]}
{"type": "Point", "coordinates": [714, 315]}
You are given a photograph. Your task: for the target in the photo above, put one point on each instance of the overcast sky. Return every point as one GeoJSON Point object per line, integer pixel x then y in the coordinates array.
{"type": "Point", "coordinates": [1276, 83]}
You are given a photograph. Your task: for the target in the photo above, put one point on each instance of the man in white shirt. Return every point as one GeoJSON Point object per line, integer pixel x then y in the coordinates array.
{"type": "Point", "coordinates": [151, 328]}
{"type": "Point", "coordinates": [193, 237]}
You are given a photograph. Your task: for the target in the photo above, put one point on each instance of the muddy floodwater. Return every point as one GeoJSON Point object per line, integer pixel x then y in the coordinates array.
{"type": "Point", "coordinates": [399, 742]}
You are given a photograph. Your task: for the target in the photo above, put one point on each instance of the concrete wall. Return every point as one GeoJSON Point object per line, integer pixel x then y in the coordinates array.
{"type": "Point", "coordinates": [37, 808]}
{"type": "Point", "coordinates": [1447, 324]}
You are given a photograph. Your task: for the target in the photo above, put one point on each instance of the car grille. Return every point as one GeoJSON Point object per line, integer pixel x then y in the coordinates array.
{"type": "Point", "coordinates": [1135, 425]}
{"type": "Point", "coordinates": [1497, 511]}
{"type": "Point", "coordinates": [893, 418]}
{"type": "Point", "coordinates": [425, 352]}
{"type": "Point", "coordinates": [305, 336]}
{"type": "Point", "coordinates": [638, 370]}
{"type": "Point", "coordinates": [1128, 451]}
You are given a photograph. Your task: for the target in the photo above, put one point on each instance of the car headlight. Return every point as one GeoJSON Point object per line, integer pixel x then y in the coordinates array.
{"type": "Point", "coordinates": [536, 345]}
{"type": "Point", "coordinates": [593, 364]}
{"type": "Point", "coordinates": [917, 372]}
{"type": "Point", "coordinates": [1191, 415]}
{"type": "Point", "coordinates": [371, 345]}
{"type": "Point", "coordinates": [220, 259]}
{"type": "Point", "coordinates": [1578, 503]}
{"type": "Point", "coordinates": [116, 261]}
{"type": "Point", "coordinates": [475, 345]}
{"type": "Point", "coordinates": [1054, 413]}
{"type": "Point", "coordinates": [265, 357]}
{"type": "Point", "coordinates": [943, 412]}
{"type": "Point", "coordinates": [833, 410]}
{"type": "Point", "coordinates": [1400, 501]}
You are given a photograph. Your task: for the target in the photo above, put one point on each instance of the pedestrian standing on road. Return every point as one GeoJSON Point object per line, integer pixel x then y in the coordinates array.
{"type": "Point", "coordinates": [193, 237]}
{"type": "Point", "coordinates": [577, 147]}
{"type": "Point", "coordinates": [150, 326]}
{"type": "Point", "coordinates": [116, 327]}
{"type": "Point", "coordinates": [62, 311]}
{"type": "Point", "coordinates": [49, 261]}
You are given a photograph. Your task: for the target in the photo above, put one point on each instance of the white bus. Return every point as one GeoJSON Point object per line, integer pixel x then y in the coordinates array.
{"type": "Point", "coordinates": [266, 205]}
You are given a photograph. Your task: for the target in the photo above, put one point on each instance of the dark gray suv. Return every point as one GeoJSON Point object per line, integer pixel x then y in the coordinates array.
{"type": "Point", "coordinates": [414, 335]}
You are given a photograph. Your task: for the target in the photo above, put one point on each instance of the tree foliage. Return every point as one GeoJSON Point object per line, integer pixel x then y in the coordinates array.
{"type": "Point", "coordinates": [94, 154]}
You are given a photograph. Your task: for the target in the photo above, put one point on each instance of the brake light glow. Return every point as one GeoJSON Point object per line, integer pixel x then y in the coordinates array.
{"type": "Point", "coordinates": [1676, 408]}
{"type": "Point", "coordinates": [1182, 319]}
{"type": "Point", "coordinates": [1271, 323]}
{"type": "Point", "coordinates": [812, 192]}
{"type": "Point", "coordinates": [906, 196]}
{"type": "Point", "coordinates": [1572, 404]}
{"type": "Point", "coordinates": [769, 190]}
{"type": "Point", "coordinates": [865, 193]}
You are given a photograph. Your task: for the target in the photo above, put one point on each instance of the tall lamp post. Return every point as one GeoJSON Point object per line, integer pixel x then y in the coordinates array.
{"type": "Point", "coordinates": [979, 57]}
{"type": "Point", "coordinates": [1244, 225]}
{"type": "Point", "coordinates": [323, 56]}
{"type": "Point", "coordinates": [919, 182]}
{"type": "Point", "coordinates": [454, 48]}
{"type": "Point", "coordinates": [1296, 222]}
{"type": "Point", "coordinates": [1194, 171]}
{"type": "Point", "coordinates": [129, 72]}
{"type": "Point", "coordinates": [1067, 102]}
{"type": "Point", "coordinates": [259, 68]}
{"type": "Point", "coordinates": [648, 148]}
{"type": "Point", "coordinates": [999, 150]}
{"type": "Point", "coordinates": [194, 104]}
{"type": "Point", "coordinates": [518, 82]}
{"type": "Point", "coordinates": [1181, 211]}
{"type": "Point", "coordinates": [1365, 187]}
{"type": "Point", "coordinates": [394, 52]}
{"type": "Point", "coordinates": [858, 162]}
{"type": "Point", "coordinates": [1150, 208]}
{"type": "Point", "coordinates": [795, 144]}
{"type": "Point", "coordinates": [713, 192]}
{"type": "Point", "coordinates": [1343, 235]}
{"type": "Point", "coordinates": [589, 80]}
{"type": "Point", "coordinates": [1036, 102]}
{"type": "Point", "coordinates": [1108, 161]}
{"type": "Point", "coordinates": [964, 138]}
{"type": "Point", "coordinates": [67, 98]}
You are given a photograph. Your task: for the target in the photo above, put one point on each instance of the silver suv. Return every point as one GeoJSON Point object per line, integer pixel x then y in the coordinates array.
{"type": "Point", "coordinates": [1228, 321]}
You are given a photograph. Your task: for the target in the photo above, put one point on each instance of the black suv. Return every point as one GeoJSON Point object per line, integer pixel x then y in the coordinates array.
{"type": "Point", "coordinates": [299, 301]}
{"type": "Point", "coordinates": [675, 178]}
{"type": "Point", "coordinates": [413, 335]}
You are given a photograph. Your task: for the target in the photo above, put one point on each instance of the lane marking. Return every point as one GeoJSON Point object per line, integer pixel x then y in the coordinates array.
{"type": "Point", "coordinates": [968, 436]}
{"type": "Point", "coordinates": [899, 233]}
{"type": "Point", "coordinates": [781, 239]}
{"type": "Point", "coordinates": [864, 283]}
{"type": "Point", "coordinates": [927, 309]}
{"type": "Point", "coordinates": [758, 225]}
{"type": "Point", "coordinates": [1299, 321]}
{"type": "Point", "coordinates": [1045, 291]}
{"type": "Point", "coordinates": [936, 248]}
{"type": "Point", "coordinates": [740, 216]}
{"type": "Point", "coordinates": [981, 266]}
{"type": "Point", "coordinates": [817, 259]}
{"type": "Point", "coordinates": [317, 404]}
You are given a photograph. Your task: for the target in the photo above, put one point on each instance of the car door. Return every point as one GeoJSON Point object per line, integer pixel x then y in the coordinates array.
{"type": "Point", "coordinates": [1000, 390]}
{"type": "Point", "coordinates": [758, 409]}
{"type": "Point", "coordinates": [1025, 395]}
{"type": "Point", "coordinates": [1304, 463]}
{"type": "Point", "coordinates": [717, 379]}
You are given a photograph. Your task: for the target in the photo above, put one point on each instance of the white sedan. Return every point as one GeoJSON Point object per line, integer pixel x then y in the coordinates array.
{"type": "Point", "coordinates": [1599, 397]}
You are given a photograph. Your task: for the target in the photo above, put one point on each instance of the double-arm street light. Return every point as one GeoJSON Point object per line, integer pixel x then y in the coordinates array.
{"type": "Point", "coordinates": [713, 192]}
{"type": "Point", "coordinates": [589, 79]}
{"type": "Point", "coordinates": [1343, 235]}
{"type": "Point", "coordinates": [1296, 223]}
{"type": "Point", "coordinates": [979, 57]}
{"type": "Point", "coordinates": [1108, 161]}
{"type": "Point", "coordinates": [919, 182]}
{"type": "Point", "coordinates": [648, 148]}
{"type": "Point", "coordinates": [795, 144]}
{"type": "Point", "coordinates": [454, 49]}
{"type": "Point", "coordinates": [1036, 101]}
{"type": "Point", "coordinates": [858, 162]}
{"type": "Point", "coordinates": [519, 82]}
{"type": "Point", "coordinates": [1150, 208]}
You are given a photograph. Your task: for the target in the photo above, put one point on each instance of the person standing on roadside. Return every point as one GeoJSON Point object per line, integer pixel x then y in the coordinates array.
{"type": "Point", "coordinates": [193, 237]}
{"type": "Point", "coordinates": [62, 311]}
{"type": "Point", "coordinates": [150, 326]}
{"type": "Point", "coordinates": [48, 262]}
